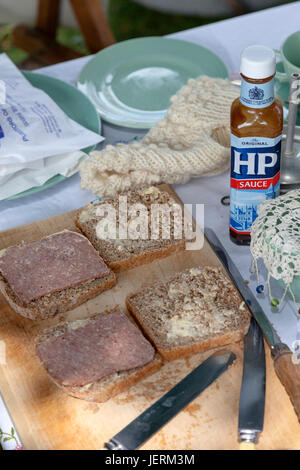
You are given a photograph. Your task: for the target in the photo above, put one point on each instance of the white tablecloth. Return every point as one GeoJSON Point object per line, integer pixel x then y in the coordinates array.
{"type": "Point", "coordinates": [227, 39]}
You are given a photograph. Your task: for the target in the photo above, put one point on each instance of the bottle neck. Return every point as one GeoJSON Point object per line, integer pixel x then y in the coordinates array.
{"type": "Point", "coordinates": [257, 93]}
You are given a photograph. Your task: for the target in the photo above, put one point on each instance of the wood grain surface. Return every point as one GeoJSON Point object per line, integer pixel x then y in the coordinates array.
{"type": "Point", "coordinates": [46, 418]}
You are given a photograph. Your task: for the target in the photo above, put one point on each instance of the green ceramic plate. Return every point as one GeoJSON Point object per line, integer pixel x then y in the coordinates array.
{"type": "Point", "coordinates": [74, 103]}
{"type": "Point", "coordinates": [131, 82]}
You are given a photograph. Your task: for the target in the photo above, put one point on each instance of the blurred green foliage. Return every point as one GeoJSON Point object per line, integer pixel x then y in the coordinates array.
{"type": "Point", "coordinates": [6, 45]}
{"type": "Point", "coordinates": [72, 37]}
{"type": "Point", "coordinates": [129, 20]}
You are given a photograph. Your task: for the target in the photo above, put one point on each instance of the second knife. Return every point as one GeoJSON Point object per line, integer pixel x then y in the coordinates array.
{"type": "Point", "coordinates": [252, 396]}
{"type": "Point", "coordinates": [286, 367]}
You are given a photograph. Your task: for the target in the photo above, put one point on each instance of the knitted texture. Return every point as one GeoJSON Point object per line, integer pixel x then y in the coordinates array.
{"type": "Point", "coordinates": [192, 140]}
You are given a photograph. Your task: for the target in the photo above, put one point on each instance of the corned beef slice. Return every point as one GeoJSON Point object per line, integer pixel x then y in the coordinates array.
{"type": "Point", "coordinates": [53, 263]}
{"type": "Point", "coordinates": [91, 350]}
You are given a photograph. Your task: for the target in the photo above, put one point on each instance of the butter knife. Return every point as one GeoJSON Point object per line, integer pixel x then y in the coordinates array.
{"type": "Point", "coordinates": [163, 410]}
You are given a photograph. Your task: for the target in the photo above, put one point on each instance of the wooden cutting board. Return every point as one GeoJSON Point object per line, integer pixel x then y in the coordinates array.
{"type": "Point", "coordinates": [47, 418]}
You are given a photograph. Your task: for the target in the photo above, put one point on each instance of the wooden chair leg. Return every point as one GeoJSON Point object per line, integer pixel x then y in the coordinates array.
{"type": "Point", "coordinates": [42, 50]}
{"type": "Point", "coordinates": [40, 41]}
{"type": "Point", "coordinates": [48, 17]}
{"type": "Point", "coordinates": [93, 24]}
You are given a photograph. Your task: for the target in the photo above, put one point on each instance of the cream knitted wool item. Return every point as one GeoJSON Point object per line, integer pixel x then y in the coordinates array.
{"type": "Point", "coordinates": [192, 140]}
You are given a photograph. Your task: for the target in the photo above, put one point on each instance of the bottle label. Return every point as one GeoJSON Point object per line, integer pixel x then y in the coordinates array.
{"type": "Point", "coordinates": [257, 96]}
{"type": "Point", "coordinates": [255, 177]}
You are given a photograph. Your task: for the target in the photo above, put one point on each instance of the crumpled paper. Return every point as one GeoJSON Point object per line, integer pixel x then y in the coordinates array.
{"type": "Point", "coordinates": [38, 172]}
{"type": "Point", "coordinates": [37, 139]}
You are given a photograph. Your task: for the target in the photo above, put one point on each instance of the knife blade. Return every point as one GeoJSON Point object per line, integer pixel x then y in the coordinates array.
{"type": "Point", "coordinates": [253, 388]}
{"type": "Point", "coordinates": [170, 404]}
{"type": "Point", "coordinates": [285, 365]}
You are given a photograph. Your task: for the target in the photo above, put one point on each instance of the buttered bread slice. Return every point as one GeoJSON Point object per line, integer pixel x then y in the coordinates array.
{"type": "Point", "coordinates": [194, 311]}
{"type": "Point", "coordinates": [148, 226]}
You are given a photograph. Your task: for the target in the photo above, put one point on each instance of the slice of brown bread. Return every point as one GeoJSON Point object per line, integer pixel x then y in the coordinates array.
{"type": "Point", "coordinates": [196, 310]}
{"type": "Point", "coordinates": [60, 301]}
{"type": "Point", "coordinates": [109, 386]}
{"type": "Point", "coordinates": [122, 254]}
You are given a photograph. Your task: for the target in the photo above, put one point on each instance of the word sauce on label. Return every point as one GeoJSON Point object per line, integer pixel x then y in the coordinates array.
{"type": "Point", "coordinates": [255, 177]}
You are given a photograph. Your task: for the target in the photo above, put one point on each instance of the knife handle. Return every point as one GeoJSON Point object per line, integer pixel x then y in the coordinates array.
{"type": "Point", "coordinates": [247, 446]}
{"type": "Point", "coordinates": [288, 372]}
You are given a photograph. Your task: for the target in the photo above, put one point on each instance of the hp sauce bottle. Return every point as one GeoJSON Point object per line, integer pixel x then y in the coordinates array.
{"type": "Point", "coordinates": [256, 130]}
